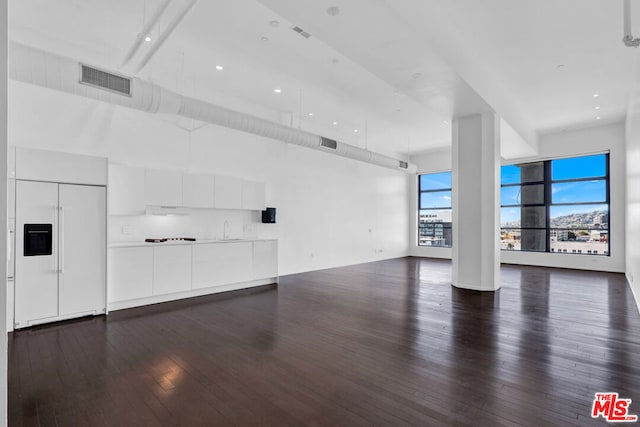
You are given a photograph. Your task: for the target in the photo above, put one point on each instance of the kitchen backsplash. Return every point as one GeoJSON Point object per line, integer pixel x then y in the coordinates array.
{"type": "Point", "coordinates": [205, 224]}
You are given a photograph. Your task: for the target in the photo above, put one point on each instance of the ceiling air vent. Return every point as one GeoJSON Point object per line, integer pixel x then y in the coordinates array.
{"type": "Point", "coordinates": [300, 31]}
{"type": "Point", "coordinates": [104, 80]}
{"type": "Point", "coordinates": [404, 165]}
{"type": "Point", "coordinates": [329, 143]}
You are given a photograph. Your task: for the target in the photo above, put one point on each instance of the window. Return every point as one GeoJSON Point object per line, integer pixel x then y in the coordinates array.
{"type": "Point", "coordinates": [559, 206]}
{"type": "Point", "coordinates": [434, 210]}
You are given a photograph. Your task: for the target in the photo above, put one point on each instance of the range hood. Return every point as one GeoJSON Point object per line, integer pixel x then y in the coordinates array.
{"type": "Point", "coordinates": [168, 210]}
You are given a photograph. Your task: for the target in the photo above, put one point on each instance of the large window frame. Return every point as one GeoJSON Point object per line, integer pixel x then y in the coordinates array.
{"type": "Point", "coordinates": [548, 204]}
{"type": "Point", "coordinates": [434, 230]}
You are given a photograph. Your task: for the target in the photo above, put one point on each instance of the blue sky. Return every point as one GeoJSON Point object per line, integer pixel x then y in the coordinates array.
{"type": "Point", "coordinates": [591, 191]}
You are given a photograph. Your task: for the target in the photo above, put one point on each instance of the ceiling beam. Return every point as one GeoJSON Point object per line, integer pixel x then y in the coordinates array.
{"type": "Point", "coordinates": [166, 33]}
{"type": "Point", "coordinates": [145, 32]}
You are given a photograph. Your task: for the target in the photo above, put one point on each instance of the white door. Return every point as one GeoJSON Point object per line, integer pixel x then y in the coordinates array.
{"type": "Point", "coordinates": [36, 276]}
{"type": "Point", "coordinates": [82, 255]}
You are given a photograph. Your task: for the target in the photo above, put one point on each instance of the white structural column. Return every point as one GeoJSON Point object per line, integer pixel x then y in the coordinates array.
{"type": "Point", "coordinates": [476, 200]}
{"type": "Point", "coordinates": [4, 82]}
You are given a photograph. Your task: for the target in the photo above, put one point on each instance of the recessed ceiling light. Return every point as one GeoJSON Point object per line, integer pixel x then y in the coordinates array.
{"type": "Point", "coordinates": [277, 90]}
{"type": "Point", "coordinates": [355, 130]}
{"type": "Point", "coordinates": [274, 24]}
{"type": "Point", "coordinates": [335, 123]}
{"type": "Point", "coordinates": [147, 39]}
{"type": "Point", "coordinates": [595, 95]}
{"type": "Point", "coordinates": [598, 118]}
{"type": "Point", "coordinates": [333, 11]}
{"type": "Point", "coordinates": [597, 108]}
{"type": "Point", "coordinates": [219, 67]}
{"type": "Point", "coordinates": [264, 38]}
{"type": "Point", "coordinates": [310, 114]}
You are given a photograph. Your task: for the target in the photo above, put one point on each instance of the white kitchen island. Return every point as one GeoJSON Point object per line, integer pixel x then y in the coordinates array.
{"type": "Point", "coordinates": [142, 273]}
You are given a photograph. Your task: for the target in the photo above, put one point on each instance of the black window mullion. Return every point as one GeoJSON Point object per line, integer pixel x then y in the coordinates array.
{"type": "Point", "coordinates": [547, 201]}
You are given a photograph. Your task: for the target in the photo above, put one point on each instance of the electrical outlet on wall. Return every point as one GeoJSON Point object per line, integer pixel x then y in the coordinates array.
{"type": "Point", "coordinates": [127, 229]}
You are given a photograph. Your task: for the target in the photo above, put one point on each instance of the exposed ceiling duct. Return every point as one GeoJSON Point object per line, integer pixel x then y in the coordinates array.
{"type": "Point", "coordinates": [35, 66]}
{"type": "Point", "coordinates": [628, 39]}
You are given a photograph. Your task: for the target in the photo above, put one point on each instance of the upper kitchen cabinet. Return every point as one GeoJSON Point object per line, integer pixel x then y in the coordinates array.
{"type": "Point", "coordinates": [198, 190]}
{"type": "Point", "coordinates": [126, 190]}
{"type": "Point", "coordinates": [228, 193]}
{"type": "Point", "coordinates": [162, 187]}
{"type": "Point", "coordinates": [55, 166]}
{"type": "Point", "coordinates": [253, 195]}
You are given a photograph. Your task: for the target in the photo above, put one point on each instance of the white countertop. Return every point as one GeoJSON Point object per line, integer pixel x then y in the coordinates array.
{"type": "Point", "coordinates": [183, 242]}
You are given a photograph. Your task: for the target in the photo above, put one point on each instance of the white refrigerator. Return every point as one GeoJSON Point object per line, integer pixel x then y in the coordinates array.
{"type": "Point", "coordinates": [60, 269]}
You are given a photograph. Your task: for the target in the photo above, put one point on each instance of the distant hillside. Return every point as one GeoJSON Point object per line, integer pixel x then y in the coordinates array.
{"type": "Point", "coordinates": [581, 220]}
{"type": "Point", "coordinates": [573, 220]}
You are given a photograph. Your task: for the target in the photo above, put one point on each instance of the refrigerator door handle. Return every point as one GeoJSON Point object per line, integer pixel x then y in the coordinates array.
{"type": "Point", "coordinates": [61, 239]}
{"type": "Point", "coordinates": [54, 243]}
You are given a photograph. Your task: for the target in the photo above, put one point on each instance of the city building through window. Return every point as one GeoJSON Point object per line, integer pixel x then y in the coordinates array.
{"type": "Point", "coordinates": [434, 210]}
{"type": "Point", "coordinates": [559, 206]}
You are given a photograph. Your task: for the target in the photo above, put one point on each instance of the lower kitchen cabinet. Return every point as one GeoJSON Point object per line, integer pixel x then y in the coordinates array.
{"type": "Point", "coordinates": [221, 264]}
{"type": "Point", "coordinates": [171, 269]}
{"type": "Point", "coordinates": [141, 275]}
{"type": "Point", "coordinates": [265, 259]}
{"type": "Point", "coordinates": [130, 273]}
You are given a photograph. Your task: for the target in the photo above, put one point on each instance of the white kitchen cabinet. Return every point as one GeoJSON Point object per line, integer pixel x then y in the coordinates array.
{"type": "Point", "coordinates": [221, 264]}
{"type": "Point", "coordinates": [55, 166]}
{"type": "Point", "coordinates": [171, 269]}
{"type": "Point", "coordinates": [198, 190]}
{"type": "Point", "coordinates": [162, 187]}
{"type": "Point", "coordinates": [126, 190]}
{"type": "Point", "coordinates": [130, 273]}
{"type": "Point", "coordinates": [228, 192]}
{"type": "Point", "coordinates": [265, 259]}
{"type": "Point", "coordinates": [253, 195]}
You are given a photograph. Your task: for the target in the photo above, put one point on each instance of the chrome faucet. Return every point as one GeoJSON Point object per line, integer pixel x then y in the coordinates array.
{"type": "Point", "coordinates": [225, 235]}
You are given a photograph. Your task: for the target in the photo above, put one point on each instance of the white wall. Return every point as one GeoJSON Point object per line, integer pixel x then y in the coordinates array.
{"type": "Point", "coordinates": [563, 144]}
{"type": "Point", "coordinates": [4, 39]}
{"type": "Point", "coordinates": [331, 211]}
{"type": "Point", "coordinates": [633, 203]}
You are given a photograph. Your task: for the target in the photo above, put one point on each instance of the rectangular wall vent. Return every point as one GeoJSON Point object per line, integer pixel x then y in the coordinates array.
{"type": "Point", "coordinates": [404, 165]}
{"type": "Point", "coordinates": [300, 31]}
{"type": "Point", "coordinates": [329, 143]}
{"type": "Point", "coordinates": [102, 79]}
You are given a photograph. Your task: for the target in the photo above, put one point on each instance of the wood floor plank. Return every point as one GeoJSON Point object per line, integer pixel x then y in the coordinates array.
{"type": "Point", "coordinates": [384, 343]}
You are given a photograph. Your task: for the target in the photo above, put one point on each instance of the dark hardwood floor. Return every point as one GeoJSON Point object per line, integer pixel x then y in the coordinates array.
{"type": "Point", "coordinates": [386, 343]}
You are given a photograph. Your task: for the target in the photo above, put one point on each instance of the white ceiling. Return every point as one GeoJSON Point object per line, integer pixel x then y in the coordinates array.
{"type": "Point", "coordinates": [397, 71]}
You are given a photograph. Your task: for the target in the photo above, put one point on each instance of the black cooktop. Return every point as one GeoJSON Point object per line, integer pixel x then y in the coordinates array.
{"type": "Point", "coordinates": [170, 239]}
